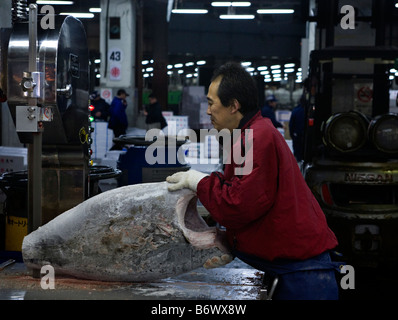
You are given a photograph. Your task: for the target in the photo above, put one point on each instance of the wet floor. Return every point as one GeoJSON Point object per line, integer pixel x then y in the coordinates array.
{"type": "Point", "coordinates": [236, 281]}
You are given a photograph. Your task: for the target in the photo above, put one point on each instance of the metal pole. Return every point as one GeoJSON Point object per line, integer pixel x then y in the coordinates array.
{"type": "Point", "coordinates": [34, 149]}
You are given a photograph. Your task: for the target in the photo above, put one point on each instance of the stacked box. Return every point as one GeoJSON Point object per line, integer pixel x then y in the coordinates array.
{"type": "Point", "coordinates": [102, 139]}
{"type": "Point", "coordinates": [194, 105]}
{"type": "Point", "coordinates": [202, 152]}
{"type": "Point", "coordinates": [175, 124]}
{"type": "Point", "coordinates": [13, 159]}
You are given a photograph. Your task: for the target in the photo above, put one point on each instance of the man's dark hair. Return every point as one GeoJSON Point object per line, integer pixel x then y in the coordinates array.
{"type": "Point", "coordinates": [236, 83]}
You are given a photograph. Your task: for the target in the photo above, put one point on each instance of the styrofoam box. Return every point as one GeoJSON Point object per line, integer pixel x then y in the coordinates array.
{"type": "Point", "coordinates": [13, 159]}
{"type": "Point", "coordinates": [102, 139]}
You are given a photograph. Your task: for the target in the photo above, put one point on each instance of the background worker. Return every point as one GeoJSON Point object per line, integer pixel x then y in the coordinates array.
{"type": "Point", "coordinates": [118, 118]}
{"type": "Point", "coordinates": [153, 113]}
{"type": "Point", "coordinates": [268, 110]}
{"type": "Point", "coordinates": [101, 108]}
{"type": "Point", "coordinates": [273, 222]}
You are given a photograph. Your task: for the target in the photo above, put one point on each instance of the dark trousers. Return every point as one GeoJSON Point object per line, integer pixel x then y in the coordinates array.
{"type": "Point", "coordinates": [310, 279]}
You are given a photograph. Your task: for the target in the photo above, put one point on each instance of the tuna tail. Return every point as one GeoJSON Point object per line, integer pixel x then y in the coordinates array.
{"type": "Point", "coordinates": [194, 228]}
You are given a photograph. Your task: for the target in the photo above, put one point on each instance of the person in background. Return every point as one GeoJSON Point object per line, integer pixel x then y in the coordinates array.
{"type": "Point", "coordinates": [101, 108]}
{"type": "Point", "coordinates": [273, 221]}
{"type": "Point", "coordinates": [296, 128]}
{"type": "Point", "coordinates": [153, 113]}
{"type": "Point", "coordinates": [268, 110]}
{"type": "Point", "coordinates": [118, 117]}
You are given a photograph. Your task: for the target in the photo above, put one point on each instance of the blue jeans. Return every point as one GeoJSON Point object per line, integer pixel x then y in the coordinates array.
{"type": "Point", "coordinates": [310, 279]}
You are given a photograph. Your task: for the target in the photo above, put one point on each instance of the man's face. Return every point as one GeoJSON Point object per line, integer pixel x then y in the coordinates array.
{"type": "Point", "coordinates": [221, 116]}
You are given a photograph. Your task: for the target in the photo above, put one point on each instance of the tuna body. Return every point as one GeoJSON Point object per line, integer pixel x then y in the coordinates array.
{"type": "Point", "coordinates": [134, 233]}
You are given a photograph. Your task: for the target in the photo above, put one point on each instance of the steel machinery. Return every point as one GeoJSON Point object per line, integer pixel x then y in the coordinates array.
{"type": "Point", "coordinates": [47, 84]}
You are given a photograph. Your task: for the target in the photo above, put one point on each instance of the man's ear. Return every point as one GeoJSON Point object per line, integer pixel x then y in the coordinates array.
{"type": "Point", "coordinates": [235, 106]}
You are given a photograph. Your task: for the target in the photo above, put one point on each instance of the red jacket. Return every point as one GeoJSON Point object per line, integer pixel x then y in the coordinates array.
{"type": "Point", "coordinates": [270, 212]}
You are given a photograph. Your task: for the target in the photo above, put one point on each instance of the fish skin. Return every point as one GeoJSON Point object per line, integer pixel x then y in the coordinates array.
{"type": "Point", "coordinates": [135, 233]}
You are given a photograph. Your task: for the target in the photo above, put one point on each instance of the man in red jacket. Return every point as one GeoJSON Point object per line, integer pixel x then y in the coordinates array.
{"type": "Point", "coordinates": [273, 222]}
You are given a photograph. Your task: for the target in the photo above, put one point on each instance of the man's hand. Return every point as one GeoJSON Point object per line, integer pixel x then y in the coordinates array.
{"type": "Point", "coordinates": [216, 262]}
{"type": "Point", "coordinates": [185, 179]}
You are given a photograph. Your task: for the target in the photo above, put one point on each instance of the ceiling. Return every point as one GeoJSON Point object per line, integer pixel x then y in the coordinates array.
{"type": "Point", "coordinates": [264, 36]}
{"type": "Point", "coordinates": [264, 40]}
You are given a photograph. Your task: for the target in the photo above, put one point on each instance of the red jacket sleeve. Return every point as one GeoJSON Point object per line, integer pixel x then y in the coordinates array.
{"type": "Point", "coordinates": [234, 201]}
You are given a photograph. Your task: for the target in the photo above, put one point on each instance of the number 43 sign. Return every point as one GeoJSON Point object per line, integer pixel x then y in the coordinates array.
{"type": "Point", "coordinates": [115, 57]}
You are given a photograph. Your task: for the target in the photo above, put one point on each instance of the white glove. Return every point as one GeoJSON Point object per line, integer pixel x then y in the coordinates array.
{"type": "Point", "coordinates": [185, 179]}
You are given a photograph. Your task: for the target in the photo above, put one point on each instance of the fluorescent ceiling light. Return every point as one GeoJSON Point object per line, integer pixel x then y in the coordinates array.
{"type": "Point", "coordinates": [289, 65]}
{"type": "Point", "coordinates": [231, 4]}
{"type": "Point", "coordinates": [190, 11]}
{"type": "Point", "coordinates": [201, 62]}
{"type": "Point", "coordinates": [288, 70]}
{"type": "Point", "coordinates": [54, 2]}
{"type": "Point", "coordinates": [78, 15]}
{"type": "Point", "coordinates": [97, 61]}
{"type": "Point", "coordinates": [275, 11]}
{"type": "Point", "coordinates": [237, 16]}
{"type": "Point", "coordinates": [95, 10]}
{"type": "Point", "coordinates": [276, 66]}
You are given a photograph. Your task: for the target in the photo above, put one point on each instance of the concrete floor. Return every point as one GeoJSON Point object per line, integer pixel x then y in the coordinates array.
{"type": "Point", "coordinates": [236, 281]}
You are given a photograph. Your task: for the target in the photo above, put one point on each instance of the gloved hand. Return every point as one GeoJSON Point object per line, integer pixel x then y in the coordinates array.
{"type": "Point", "coordinates": [185, 179]}
{"type": "Point", "coordinates": [216, 262]}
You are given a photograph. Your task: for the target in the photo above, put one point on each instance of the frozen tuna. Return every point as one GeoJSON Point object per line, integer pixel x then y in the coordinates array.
{"type": "Point", "coordinates": [133, 233]}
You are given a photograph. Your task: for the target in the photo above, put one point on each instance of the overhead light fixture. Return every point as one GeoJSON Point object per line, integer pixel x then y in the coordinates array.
{"type": "Point", "coordinates": [95, 10]}
{"type": "Point", "coordinates": [63, 3]}
{"type": "Point", "coordinates": [289, 70]}
{"type": "Point", "coordinates": [237, 16]}
{"type": "Point", "coordinates": [275, 11]}
{"type": "Point", "coordinates": [190, 11]}
{"type": "Point", "coordinates": [231, 4]}
{"type": "Point", "coordinates": [78, 15]}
